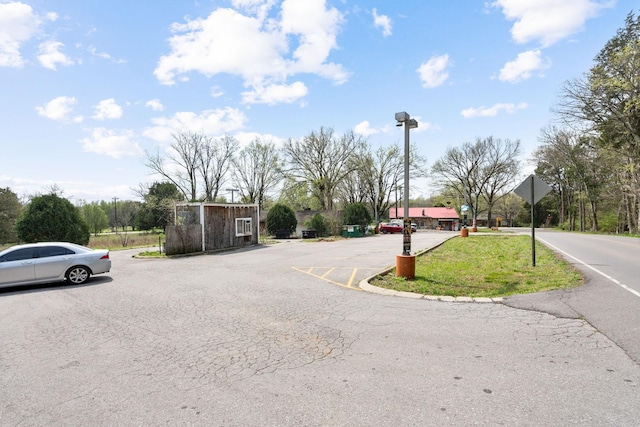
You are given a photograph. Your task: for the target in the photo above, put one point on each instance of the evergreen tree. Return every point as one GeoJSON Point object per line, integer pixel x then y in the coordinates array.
{"type": "Point", "coordinates": [51, 218]}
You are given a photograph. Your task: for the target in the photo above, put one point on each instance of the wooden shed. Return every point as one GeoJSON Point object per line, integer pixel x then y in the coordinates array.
{"type": "Point", "coordinates": [204, 227]}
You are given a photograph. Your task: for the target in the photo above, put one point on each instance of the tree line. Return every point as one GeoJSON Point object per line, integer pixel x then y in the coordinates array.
{"type": "Point", "coordinates": [51, 217]}
{"type": "Point", "coordinates": [590, 156]}
{"type": "Point", "coordinates": [591, 153]}
{"type": "Point", "coordinates": [320, 171]}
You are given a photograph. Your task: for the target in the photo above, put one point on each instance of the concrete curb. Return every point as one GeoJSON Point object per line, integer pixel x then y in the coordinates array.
{"type": "Point", "coordinates": [366, 286]}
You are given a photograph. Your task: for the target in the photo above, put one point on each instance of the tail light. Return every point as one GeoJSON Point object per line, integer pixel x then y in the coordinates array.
{"type": "Point", "coordinates": [105, 256]}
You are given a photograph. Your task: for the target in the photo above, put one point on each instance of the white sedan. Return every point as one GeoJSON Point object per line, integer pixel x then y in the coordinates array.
{"type": "Point", "coordinates": [44, 262]}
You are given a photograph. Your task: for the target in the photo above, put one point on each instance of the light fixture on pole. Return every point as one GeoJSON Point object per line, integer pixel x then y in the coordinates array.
{"type": "Point", "coordinates": [406, 263]}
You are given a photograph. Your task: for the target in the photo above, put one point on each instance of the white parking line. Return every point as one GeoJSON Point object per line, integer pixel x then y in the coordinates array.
{"type": "Point", "coordinates": [617, 282]}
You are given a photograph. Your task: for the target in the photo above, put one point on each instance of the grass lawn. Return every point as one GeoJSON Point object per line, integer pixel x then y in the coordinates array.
{"type": "Point", "coordinates": [127, 240]}
{"type": "Point", "coordinates": [485, 266]}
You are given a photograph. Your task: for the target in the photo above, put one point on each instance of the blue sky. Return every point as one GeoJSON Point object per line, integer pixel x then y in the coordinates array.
{"type": "Point", "coordinates": [88, 86]}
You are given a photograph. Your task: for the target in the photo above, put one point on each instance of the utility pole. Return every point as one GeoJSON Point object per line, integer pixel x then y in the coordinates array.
{"type": "Point", "coordinates": [232, 190]}
{"type": "Point", "coordinates": [115, 213]}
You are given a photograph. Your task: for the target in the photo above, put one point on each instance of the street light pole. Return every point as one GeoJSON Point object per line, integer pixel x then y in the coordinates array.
{"type": "Point", "coordinates": [406, 247]}
{"type": "Point", "coordinates": [405, 264]}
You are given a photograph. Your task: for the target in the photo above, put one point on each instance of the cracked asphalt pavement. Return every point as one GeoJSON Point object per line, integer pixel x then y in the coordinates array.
{"type": "Point", "coordinates": [245, 338]}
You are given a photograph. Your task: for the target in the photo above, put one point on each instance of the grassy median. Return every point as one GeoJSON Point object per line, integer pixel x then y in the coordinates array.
{"type": "Point", "coordinates": [485, 266]}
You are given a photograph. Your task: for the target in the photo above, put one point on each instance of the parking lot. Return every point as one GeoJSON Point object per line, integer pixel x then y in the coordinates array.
{"type": "Point", "coordinates": [280, 335]}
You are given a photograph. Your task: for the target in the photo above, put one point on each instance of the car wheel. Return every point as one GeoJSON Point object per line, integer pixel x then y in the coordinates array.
{"type": "Point", "coordinates": [77, 275]}
{"type": "Point", "coordinates": [384, 231]}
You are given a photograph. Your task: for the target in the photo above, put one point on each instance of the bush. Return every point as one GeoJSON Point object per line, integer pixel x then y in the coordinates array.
{"type": "Point", "coordinates": [608, 222]}
{"type": "Point", "coordinates": [319, 223]}
{"type": "Point", "coordinates": [281, 218]}
{"type": "Point", "coordinates": [51, 218]}
{"type": "Point", "coordinates": [356, 214]}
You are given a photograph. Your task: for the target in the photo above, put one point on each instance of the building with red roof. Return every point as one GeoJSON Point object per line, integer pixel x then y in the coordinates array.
{"type": "Point", "coordinates": [444, 218]}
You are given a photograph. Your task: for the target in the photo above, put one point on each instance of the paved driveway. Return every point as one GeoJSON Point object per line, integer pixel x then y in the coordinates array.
{"type": "Point", "coordinates": [269, 336]}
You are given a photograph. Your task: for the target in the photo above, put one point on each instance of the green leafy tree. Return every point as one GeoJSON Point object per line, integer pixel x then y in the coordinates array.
{"type": "Point", "coordinates": [52, 218]}
{"type": "Point", "coordinates": [298, 196]}
{"type": "Point", "coordinates": [605, 102]}
{"type": "Point", "coordinates": [10, 210]}
{"type": "Point", "coordinates": [356, 214]}
{"type": "Point", "coordinates": [95, 217]}
{"type": "Point", "coordinates": [158, 206]}
{"type": "Point", "coordinates": [281, 218]}
{"type": "Point", "coordinates": [320, 224]}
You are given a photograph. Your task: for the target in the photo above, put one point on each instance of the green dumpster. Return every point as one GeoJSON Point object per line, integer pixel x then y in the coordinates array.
{"type": "Point", "coordinates": [350, 231]}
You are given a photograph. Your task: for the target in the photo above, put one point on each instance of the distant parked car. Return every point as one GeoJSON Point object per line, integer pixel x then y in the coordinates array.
{"type": "Point", "coordinates": [396, 227]}
{"type": "Point", "coordinates": [35, 263]}
{"type": "Point", "coordinates": [391, 227]}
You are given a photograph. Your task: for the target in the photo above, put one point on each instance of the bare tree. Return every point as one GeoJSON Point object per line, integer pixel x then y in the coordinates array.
{"type": "Point", "coordinates": [185, 157]}
{"type": "Point", "coordinates": [500, 167]}
{"type": "Point", "coordinates": [257, 170]}
{"type": "Point", "coordinates": [214, 160]}
{"type": "Point", "coordinates": [322, 160]}
{"type": "Point", "coordinates": [484, 169]}
{"type": "Point", "coordinates": [458, 171]}
{"type": "Point", "coordinates": [195, 160]}
{"type": "Point", "coordinates": [382, 171]}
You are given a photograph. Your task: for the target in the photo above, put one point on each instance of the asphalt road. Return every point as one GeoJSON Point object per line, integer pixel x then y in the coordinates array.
{"type": "Point", "coordinates": [279, 335]}
{"type": "Point", "coordinates": [610, 298]}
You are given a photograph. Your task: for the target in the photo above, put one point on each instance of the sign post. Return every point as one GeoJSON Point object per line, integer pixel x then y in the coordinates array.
{"type": "Point", "coordinates": [532, 190]}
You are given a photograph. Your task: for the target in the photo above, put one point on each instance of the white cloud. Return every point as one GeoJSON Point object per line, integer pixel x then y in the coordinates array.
{"type": "Point", "coordinates": [155, 105]}
{"type": "Point", "coordinates": [382, 21]}
{"type": "Point", "coordinates": [523, 66]}
{"type": "Point", "coordinates": [93, 51]}
{"type": "Point", "coordinates": [257, 7]}
{"type": "Point", "coordinates": [104, 55]}
{"type": "Point", "coordinates": [257, 47]}
{"type": "Point", "coordinates": [275, 94]}
{"type": "Point", "coordinates": [211, 122]}
{"type": "Point", "coordinates": [217, 92]}
{"type": "Point", "coordinates": [549, 21]}
{"type": "Point", "coordinates": [50, 56]}
{"type": "Point", "coordinates": [18, 23]}
{"type": "Point", "coordinates": [245, 138]}
{"type": "Point", "coordinates": [364, 128]}
{"type": "Point", "coordinates": [111, 143]}
{"type": "Point", "coordinates": [59, 109]}
{"type": "Point", "coordinates": [107, 109]}
{"type": "Point", "coordinates": [433, 73]}
{"type": "Point", "coordinates": [493, 110]}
